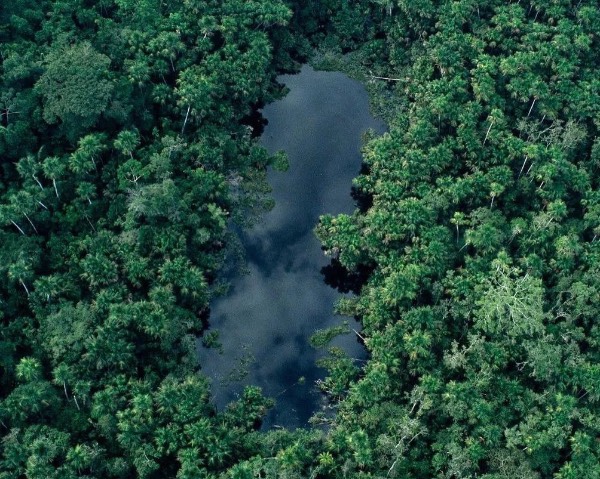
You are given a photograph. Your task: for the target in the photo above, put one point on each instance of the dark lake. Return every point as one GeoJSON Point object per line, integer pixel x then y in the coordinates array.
{"type": "Point", "coordinates": [266, 319]}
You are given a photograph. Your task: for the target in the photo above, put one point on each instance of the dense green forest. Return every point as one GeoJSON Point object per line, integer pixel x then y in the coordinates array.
{"type": "Point", "coordinates": [127, 142]}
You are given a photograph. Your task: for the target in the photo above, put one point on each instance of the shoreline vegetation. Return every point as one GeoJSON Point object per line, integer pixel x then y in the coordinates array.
{"type": "Point", "coordinates": [126, 150]}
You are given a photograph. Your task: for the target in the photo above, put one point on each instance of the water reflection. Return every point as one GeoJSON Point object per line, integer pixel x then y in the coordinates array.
{"type": "Point", "coordinates": [269, 314]}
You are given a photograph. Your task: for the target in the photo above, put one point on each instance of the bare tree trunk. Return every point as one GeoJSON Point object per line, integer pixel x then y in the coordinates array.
{"type": "Point", "coordinates": [488, 131]}
{"type": "Point", "coordinates": [531, 107]}
{"type": "Point", "coordinates": [385, 78]}
{"type": "Point", "coordinates": [18, 227]}
{"type": "Point", "coordinates": [522, 167]}
{"type": "Point", "coordinates": [31, 223]}
{"type": "Point", "coordinates": [186, 118]}
{"type": "Point", "coordinates": [37, 181]}
{"type": "Point", "coordinates": [65, 388]}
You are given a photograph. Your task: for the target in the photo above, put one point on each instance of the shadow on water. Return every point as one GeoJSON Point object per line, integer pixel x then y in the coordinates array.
{"type": "Point", "coordinates": [362, 199]}
{"type": "Point", "coordinates": [266, 319]}
{"type": "Point", "coordinates": [256, 121]}
{"type": "Point", "coordinates": [338, 277]}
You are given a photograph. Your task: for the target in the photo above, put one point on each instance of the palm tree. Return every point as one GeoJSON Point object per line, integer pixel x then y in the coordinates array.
{"type": "Point", "coordinates": [53, 167]}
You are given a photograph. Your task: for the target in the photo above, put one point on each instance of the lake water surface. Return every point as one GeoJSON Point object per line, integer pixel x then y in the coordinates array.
{"type": "Point", "coordinates": [266, 319]}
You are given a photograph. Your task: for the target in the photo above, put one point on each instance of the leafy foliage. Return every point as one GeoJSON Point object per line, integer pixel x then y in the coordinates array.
{"type": "Point", "coordinates": [122, 123]}
{"type": "Point", "coordinates": [481, 242]}
{"type": "Point", "coordinates": [126, 152]}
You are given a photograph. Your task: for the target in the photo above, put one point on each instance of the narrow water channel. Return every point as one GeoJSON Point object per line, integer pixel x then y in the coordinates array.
{"type": "Point", "coordinates": [266, 319]}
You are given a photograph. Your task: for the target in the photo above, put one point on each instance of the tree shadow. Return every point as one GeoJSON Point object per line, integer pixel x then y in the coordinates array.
{"type": "Point", "coordinates": [362, 199]}
{"type": "Point", "coordinates": [255, 120]}
{"type": "Point", "coordinates": [338, 277]}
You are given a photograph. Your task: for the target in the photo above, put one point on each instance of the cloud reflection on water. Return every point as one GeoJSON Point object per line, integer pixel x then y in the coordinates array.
{"type": "Point", "coordinates": [268, 315]}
